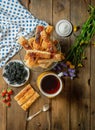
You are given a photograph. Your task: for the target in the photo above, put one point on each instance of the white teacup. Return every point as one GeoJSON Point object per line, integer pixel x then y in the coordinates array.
{"type": "Point", "coordinates": [50, 84]}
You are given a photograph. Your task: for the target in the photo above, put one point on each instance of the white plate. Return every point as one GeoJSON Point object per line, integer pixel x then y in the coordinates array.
{"type": "Point", "coordinates": [16, 85]}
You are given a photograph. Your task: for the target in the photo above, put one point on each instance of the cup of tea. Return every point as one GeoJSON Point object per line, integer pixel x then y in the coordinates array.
{"type": "Point", "coordinates": [49, 84]}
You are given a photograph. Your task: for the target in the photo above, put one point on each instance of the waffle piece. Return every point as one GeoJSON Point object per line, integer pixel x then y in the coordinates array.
{"type": "Point", "coordinates": [22, 92]}
{"type": "Point", "coordinates": [30, 101]}
{"type": "Point", "coordinates": [26, 97]}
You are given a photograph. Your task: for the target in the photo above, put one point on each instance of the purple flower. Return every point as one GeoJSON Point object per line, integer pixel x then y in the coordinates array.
{"type": "Point", "coordinates": [63, 64]}
{"type": "Point", "coordinates": [72, 74]}
{"type": "Point", "coordinates": [71, 70]}
{"type": "Point", "coordinates": [65, 73]}
{"type": "Point", "coordinates": [54, 68]}
{"type": "Point", "coordinates": [58, 67]}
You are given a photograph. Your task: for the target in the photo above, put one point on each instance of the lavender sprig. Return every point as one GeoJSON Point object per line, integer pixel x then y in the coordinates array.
{"type": "Point", "coordinates": [66, 69]}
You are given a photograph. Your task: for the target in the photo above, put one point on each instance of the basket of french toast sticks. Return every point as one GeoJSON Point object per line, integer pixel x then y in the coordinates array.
{"type": "Point", "coordinates": [41, 51]}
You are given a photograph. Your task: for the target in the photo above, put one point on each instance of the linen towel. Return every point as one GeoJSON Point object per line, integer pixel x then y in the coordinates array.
{"type": "Point", "coordinates": [15, 20]}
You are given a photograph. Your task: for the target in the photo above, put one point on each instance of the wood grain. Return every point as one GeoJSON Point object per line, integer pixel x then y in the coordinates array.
{"type": "Point", "coordinates": [3, 110]}
{"type": "Point", "coordinates": [42, 10]}
{"type": "Point", "coordinates": [60, 104]}
{"type": "Point", "coordinates": [25, 3]}
{"type": "Point", "coordinates": [80, 89]}
{"type": "Point", "coordinates": [92, 82]}
{"type": "Point", "coordinates": [74, 108]}
{"type": "Point", "coordinates": [15, 115]}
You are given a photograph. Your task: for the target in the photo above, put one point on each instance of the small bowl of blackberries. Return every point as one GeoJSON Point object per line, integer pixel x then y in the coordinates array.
{"type": "Point", "coordinates": [15, 73]}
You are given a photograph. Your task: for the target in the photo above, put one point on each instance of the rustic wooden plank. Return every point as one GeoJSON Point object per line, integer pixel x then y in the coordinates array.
{"type": "Point", "coordinates": [10, 114]}
{"type": "Point", "coordinates": [15, 115]}
{"type": "Point", "coordinates": [92, 81]}
{"type": "Point", "coordinates": [80, 89]}
{"type": "Point", "coordinates": [37, 122]}
{"type": "Point", "coordinates": [41, 121]}
{"type": "Point", "coordinates": [40, 9]}
{"type": "Point", "coordinates": [60, 104]}
{"type": "Point", "coordinates": [25, 3]}
{"type": "Point", "coordinates": [3, 115]}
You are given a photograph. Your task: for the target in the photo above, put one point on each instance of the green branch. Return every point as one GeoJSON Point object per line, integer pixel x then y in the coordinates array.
{"type": "Point", "coordinates": [76, 51]}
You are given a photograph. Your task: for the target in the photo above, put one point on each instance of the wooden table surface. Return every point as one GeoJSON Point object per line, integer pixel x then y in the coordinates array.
{"type": "Point", "coordinates": [74, 108]}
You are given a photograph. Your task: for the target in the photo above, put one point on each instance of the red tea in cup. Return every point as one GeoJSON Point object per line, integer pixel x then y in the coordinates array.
{"type": "Point", "coordinates": [49, 84]}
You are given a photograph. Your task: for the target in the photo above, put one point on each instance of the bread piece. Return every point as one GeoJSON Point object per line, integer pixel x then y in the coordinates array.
{"type": "Point", "coordinates": [31, 59]}
{"type": "Point", "coordinates": [45, 65]}
{"type": "Point", "coordinates": [55, 58]}
{"type": "Point", "coordinates": [59, 57]}
{"type": "Point", "coordinates": [48, 46]}
{"type": "Point", "coordinates": [39, 28]}
{"type": "Point", "coordinates": [26, 96]}
{"type": "Point", "coordinates": [44, 45]}
{"type": "Point", "coordinates": [44, 35]}
{"type": "Point", "coordinates": [24, 43]}
{"type": "Point", "coordinates": [30, 101]}
{"type": "Point", "coordinates": [40, 54]}
{"type": "Point", "coordinates": [41, 47]}
{"type": "Point", "coordinates": [30, 42]}
{"type": "Point", "coordinates": [38, 38]}
{"type": "Point", "coordinates": [22, 92]}
{"type": "Point", "coordinates": [31, 64]}
{"type": "Point", "coordinates": [45, 61]}
{"type": "Point", "coordinates": [49, 29]}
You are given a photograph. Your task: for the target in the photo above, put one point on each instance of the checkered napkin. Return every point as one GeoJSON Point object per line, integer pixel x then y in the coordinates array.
{"type": "Point", "coordinates": [14, 20]}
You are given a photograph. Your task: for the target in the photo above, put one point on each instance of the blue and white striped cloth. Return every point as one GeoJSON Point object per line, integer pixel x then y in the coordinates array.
{"type": "Point", "coordinates": [14, 18]}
